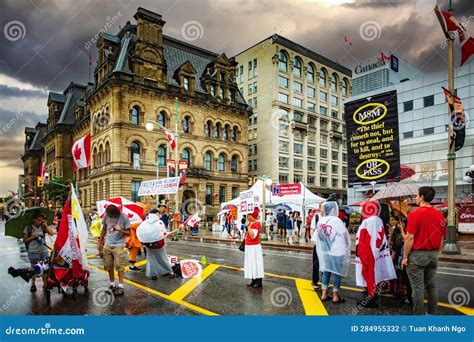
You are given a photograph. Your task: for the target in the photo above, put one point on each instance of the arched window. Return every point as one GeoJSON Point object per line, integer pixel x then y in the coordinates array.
{"type": "Point", "coordinates": [334, 82]}
{"type": "Point", "coordinates": [186, 124]}
{"type": "Point", "coordinates": [298, 116]}
{"type": "Point", "coordinates": [162, 155]}
{"type": "Point", "coordinates": [283, 61]}
{"type": "Point", "coordinates": [217, 130]}
{"type": "Point", "coordinates": [101, 156]}
{"type": "Point", "coordinates": [162, 119]}
{"type": "Point", "coordinates": [283, 115]}
{"type": "Point", "coordinates": [94, 155]}
{"type": "Point", "coordinates": [221, 162]}
{"type": "Point", "coordinates": [323, 78]}
{"type": "Point", "coordinates": [297, 67]}
{"type": "Point", "coordinates": [135, 115]}
{"type": "Point", "coordinates": [107, 152]}
{"type": "Point", "coordinates": [207, 129]}
{"type": "Point", "coordinates": [234, 133]}
{"type": "Point", "coordinates": [208, 161]}
{"type": "Point", "coordinates": [134, 151]}
{"type": "Point", "coordinates": [226, 132]}
{"type": "Point", "coordinates": [186, 155]}
{"type": "Point", "coordinates": [310, 73]}
{"type": "Point", "coordinates": [233, 163]}
{"type": "Point", "coordinates": [344, 87]}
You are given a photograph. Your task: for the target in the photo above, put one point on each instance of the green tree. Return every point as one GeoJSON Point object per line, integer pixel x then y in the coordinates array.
{"type": "Point", "coordinates": [57, 190]}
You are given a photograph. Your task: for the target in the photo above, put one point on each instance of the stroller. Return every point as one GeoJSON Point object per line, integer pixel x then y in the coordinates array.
{"type": "Point", "coordinates": [62, 275]}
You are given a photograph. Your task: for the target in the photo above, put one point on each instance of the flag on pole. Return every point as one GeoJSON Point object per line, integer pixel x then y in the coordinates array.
{"type": "Point", "coordinates": [450, 24]}
{"type": "Point", "coordinates": [81, 152]}
{"type": "Point", "coordinates": [80, 225]}
{"type": "Point", "coordinates": [457, 120]}
{"type": "Point", "coordinates": [182, 170]}
{"type": "Point", "coordinates": [68, 242]}
{"type": "Point", "coordinates": [42, 169]}
{"type": "Point", "coordinates": [170, 138]}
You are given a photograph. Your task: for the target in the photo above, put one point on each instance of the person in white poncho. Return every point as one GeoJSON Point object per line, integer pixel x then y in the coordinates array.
{"type": "Point", "coordinates": [333, 247]}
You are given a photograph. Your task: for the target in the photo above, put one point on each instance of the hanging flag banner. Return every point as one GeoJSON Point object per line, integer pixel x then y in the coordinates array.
{"type": "Point", "coordinates": [159, 186]}
{"type": "Point", "coordinates": [170, 164]}
{"type": "Point", "coordinates": [182, 170]}
{"type": "Point", "coordinates": [372, 139]}
{"type": "Point", "coordinates": [457, 120]}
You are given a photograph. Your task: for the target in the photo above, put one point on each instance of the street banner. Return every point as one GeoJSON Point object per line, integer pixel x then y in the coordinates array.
{"type": "Point", "coordinates": [170, 164]}
{"type": "Point", "coordinates": [159, 186]}
{"type": "Point", "coordinates": [248, 202]}
{"type": "Point", "coordinates": [466, 219]}
{"type": "Point", "coordinates": [457, 120]}
{"type": "Point", "coordinates": [372, 139]}
{"type": "Point", "coordinates": [286, 189]}
{"type": "Point", "coordinates": [190, 268]}
{"type": "Point", "coordinates": [182, 170]}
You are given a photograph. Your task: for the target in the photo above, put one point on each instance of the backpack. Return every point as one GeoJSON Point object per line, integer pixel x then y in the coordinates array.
{"type": "Point", "coordinates": [29, 232]}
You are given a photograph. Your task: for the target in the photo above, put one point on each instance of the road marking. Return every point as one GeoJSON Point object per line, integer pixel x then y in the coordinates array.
{"type": "Point", "coordinates": [138, 264]}
{"type": "Point", "coordinates": [192, 283]}
{"type": "Point", "coordinates": [161, 294]}
{"type": "Point", "coordinates": [92, 256]}
{"type": "Point", "coordinates": [311, 302]}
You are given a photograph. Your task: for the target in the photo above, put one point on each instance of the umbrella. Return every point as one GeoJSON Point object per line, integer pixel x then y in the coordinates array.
{"type": "Point", "coordinates": [15, 225]}
{"type": "Point", "coordinates": [396, 191]}
{"type": "Point", "coordinates": [134, 211]}
{"type": "Point", "coordinates": [229, 206]}
{"type": "Point", "coordinates": [406, 171]}
{"type": "Point", "coordinates": [346, 208]}
{"type": "Point", "coordinates": [283, 206]}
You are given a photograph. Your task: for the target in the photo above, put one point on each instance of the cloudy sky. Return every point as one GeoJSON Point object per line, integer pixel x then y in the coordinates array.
{"type": "Point", "coordinates": [45, 43]}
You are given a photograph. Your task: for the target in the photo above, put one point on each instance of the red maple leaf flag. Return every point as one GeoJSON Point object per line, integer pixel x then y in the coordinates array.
{"type": "Point", "coordinates": [170, 137]}
{"type": "Point", "coordinates": [467, 46]}
{"type": "Point", "coordinates": [81, 152]}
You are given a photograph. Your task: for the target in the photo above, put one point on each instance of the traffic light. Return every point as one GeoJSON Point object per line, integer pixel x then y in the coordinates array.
{"type": "Point", "coordinates": [39, 182]}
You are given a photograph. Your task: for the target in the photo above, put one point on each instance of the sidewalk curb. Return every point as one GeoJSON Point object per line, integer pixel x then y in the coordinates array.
{"type": "Point", "coordinates": [442, 258]}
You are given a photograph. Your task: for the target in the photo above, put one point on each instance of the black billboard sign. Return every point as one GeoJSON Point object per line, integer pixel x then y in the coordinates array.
{"type": "Point", "coordinates": [372, 139]}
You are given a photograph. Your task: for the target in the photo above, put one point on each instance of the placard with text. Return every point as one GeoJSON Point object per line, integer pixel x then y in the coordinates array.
{"type": "Point", "coordinates": [372, 139]}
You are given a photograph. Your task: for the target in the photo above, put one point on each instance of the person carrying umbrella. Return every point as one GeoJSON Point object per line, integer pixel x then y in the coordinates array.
{"type": "Point", "coordinates": [115, 227]}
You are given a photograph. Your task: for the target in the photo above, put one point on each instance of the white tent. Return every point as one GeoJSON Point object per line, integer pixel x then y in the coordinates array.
{"type": "Point", "coordinates": [257, 191]}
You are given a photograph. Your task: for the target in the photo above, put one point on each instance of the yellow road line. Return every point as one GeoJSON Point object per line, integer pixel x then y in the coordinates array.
{"type": "Point", "coordinates": [92, 256]}
{"type": "Point", "coordinates": [138, 264]}
{"type": "Point", "coordinates": [311, 302]}
{"type": "Point", "coordinates": [465, 310]}
{"type": "Point", "coordinates": [192, 283]}
{"type": "Point", "coordinates": [162, 295]}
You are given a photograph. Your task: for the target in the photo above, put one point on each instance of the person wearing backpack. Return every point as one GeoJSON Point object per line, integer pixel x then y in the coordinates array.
{"type": "Point", "coordinates": [34, 237]}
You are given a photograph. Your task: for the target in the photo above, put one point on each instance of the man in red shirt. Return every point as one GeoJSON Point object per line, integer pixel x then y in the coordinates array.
{"type": "Point", "coordinates": [425, 231]}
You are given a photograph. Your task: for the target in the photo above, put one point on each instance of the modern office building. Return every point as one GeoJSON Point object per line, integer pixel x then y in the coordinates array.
{"type": "Point", "coordinates": [296, 131]}
{"type": "Point", "coordinates": [423, 122]}
{"type": "Point", "coordinates": [381, 71]}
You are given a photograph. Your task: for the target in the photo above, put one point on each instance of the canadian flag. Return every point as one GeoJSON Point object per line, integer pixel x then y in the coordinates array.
{"type": "Point", "coordinates": [192, 220]}
{"type": "Point", "coordinates": [170, 137]}
{"type": "Point", "coordinates": [81, 152]}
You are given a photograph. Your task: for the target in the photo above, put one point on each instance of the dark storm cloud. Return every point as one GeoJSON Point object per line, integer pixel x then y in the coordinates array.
{"type": "Point", "coordinates": [7, 91]}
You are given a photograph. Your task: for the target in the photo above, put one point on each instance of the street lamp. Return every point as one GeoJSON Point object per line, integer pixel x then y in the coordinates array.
{"type": "Point", "coordinates": [266, 181]}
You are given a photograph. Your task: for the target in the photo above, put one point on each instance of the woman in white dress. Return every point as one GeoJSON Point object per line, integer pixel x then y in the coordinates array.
{"type": "Point", "coordinates": [253, 263]}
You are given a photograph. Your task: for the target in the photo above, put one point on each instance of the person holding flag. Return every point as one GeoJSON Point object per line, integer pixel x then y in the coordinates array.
{"type": "Point", "coordinates": [115, 227]}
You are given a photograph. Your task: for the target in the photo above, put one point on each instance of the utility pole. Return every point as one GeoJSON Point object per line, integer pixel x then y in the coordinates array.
{"type": "Point", "coordinates": [176, 157]}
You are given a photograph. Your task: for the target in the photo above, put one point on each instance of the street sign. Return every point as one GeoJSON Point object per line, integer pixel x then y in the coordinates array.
{"type": "Point", "coordinates": [159, 186]}
{"type": "Point", "coordinates": [286, 189]}
{"type": "Point", "coordinates": [466, 219]}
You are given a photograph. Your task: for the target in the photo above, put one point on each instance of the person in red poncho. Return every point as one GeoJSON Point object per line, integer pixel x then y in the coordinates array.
{"type": "Point", "coordinates": [373, 260]}
{"type": "Point", "coordinates": [253, 262]}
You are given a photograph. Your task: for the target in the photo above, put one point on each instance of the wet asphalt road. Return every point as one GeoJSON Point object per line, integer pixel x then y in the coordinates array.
{"type": "Point", "coordinates": [223, 292]}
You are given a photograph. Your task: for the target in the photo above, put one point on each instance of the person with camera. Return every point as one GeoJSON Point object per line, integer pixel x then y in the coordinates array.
{"type": "Point", "coordinates": [115, 227]}
{"type": "Point", "coordinates": [253, 262]}
{"type": "Point", "coordinates": [34, 237]}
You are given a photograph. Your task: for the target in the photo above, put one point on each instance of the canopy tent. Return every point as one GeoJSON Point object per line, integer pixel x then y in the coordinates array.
{"type": "Point", "coordinates": [306, 198]}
